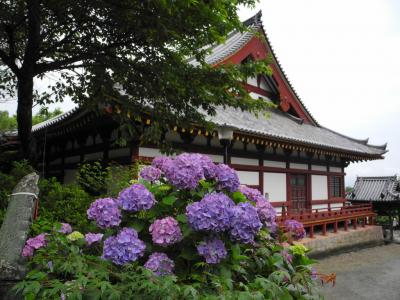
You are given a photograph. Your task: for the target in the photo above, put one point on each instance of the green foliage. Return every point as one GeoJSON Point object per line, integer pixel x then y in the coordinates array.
{"type": "Point", "coordinates": [8, 122]}
{"type": "Point", "coordinates": [250, 271]}
{"type": "Point", "coordinates": [8, 181]}
{"type": "Point", "coordinates": [61, 203]}
{"type": "Point", "coordinates": [118, 178]}
{"type": "Point", "coordinates": [92, 177]}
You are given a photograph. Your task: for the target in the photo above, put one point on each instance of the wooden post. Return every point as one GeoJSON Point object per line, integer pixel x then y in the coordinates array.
{"type": "Point", "coordinates": [346, 225]}
{"type": "Point", "coordinates": [391, 226]}
{"type": "Point", "coordinates": [312, 231]}
{"type": "Point", "coordinates": [335, 227]}
{"type": "Point", "coordinates": [324, 229]}
{"type": "Point", "coordinates": [354, 223]}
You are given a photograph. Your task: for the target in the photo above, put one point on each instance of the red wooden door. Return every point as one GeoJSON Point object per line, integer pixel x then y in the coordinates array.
{"type": "Point", "coordinates": [298, 191]}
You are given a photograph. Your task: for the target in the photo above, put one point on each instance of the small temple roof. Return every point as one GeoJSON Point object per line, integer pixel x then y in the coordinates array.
{"type": "Point", "coordinates": [376, 189]}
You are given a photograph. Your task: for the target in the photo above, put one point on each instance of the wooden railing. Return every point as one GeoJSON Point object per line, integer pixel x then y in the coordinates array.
{"type": "Point", "coordinates": [353, 214]}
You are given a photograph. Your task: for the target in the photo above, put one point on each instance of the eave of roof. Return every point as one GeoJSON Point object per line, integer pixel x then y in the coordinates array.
{"type": "Point", "coordinates": [376, 189]}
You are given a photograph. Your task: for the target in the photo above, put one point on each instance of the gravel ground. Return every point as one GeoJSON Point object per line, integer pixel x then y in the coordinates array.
{"type": "Point", "coordinates": [372, 273]}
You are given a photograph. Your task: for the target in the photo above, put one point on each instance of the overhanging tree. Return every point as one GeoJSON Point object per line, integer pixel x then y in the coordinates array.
{"type": "Point", "coordinates": [131, 54]}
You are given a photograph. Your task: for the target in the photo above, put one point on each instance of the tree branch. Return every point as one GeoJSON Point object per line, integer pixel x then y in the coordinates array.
{"type": "Point", "coordinates": [9, 62]}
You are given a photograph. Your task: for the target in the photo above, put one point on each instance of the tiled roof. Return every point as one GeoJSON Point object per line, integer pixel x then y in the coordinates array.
{"type": "Point", "coordinates": [282, 126]}
{"type": "Point", "coordinates": [385, 188]}
{"type": "Point", "coordinates": [55, 120]}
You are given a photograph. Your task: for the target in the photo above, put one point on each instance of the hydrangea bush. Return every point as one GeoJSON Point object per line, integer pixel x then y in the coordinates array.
{"type": "Point", "coordinates": [185, 229]}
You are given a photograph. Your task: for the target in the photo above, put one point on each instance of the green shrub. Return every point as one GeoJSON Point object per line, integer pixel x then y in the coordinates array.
{"type": "Point", "coordinates": [61, 203]}
{"type": "Point", "coordinates": [91, 177]}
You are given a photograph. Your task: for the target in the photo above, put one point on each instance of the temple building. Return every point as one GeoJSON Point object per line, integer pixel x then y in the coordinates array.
{"type": "Point", "coordinates": [299, 164]}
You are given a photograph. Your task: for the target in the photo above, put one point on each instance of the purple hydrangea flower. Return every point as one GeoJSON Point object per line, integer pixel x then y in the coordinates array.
{"type": "Point", "coordinates": [245, 223]}
{"type": "Point", "coordinates": [266, 213]}
{"type": "Point", "coordinates": [65, 228]}
{"type": "Point", "coordinates": [105, 212]}
{"type": "Point", "coordinates": [33, 244]}
{"type": "Point", "coordinates": [123, 248]}
{"type": "Point", "coordinates": [162, 163]}
{"type": "Point", "coordinates": [227, 178]}
{"type": "Point", "coordinates": [213, 250]}
{"type": "Point", "coordinates": [160, 264]}
{"type": "Point", "coordinates": [150, 173]}
{"type": "Point", "coordinates": [136, 198]}
{"type": "Point", "coordinates": [185, 171]}
{"type": "Point", "coordinates": [165, 231]}
{"type": "Point", "coordinates": [295, 228]}
{"type": "Point", "coordinates": [93, 237]}
{"type": "Point", "coordinates": [213, 213]}
{"type": "Point", "coordinates": [250, 193]}
{"type": "Point", "coordinates": [209, 168]}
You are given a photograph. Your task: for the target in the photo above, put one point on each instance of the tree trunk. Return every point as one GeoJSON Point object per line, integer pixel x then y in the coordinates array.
{"type": "Point", "coordinates": [24, 115]}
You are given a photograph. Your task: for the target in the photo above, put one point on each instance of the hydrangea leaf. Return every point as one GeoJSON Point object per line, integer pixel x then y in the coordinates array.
{"type": "Point", "coordinates": [169, 200]}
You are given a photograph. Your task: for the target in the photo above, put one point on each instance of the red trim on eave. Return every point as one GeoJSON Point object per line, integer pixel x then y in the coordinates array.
{"type": "Point", "coordinates": [259, 50]}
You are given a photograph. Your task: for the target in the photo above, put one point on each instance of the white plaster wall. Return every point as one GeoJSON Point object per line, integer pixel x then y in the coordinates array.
{"type": "Point", "coordinates": [298, 166]}
{"type": "Point", "coordinates": [275, 186]}
{"type": "Point", "coordinates": [274, 164]}
{"type": "Point", "coordinates": [94, 156]}
{"type": "Point", "coordinates": [335, 169]}
{"type": "Point", "coordinates": [55, 162]}
{"type": "Point", "coordinates": [149, 152]}
{"type": "Point", "coordinates": [69, 176]}
{"type": "Point", "coordinates": [278, 210]}
{"type": "Point", "coordinates": [336, 205]}
{"type": "Point", "coordinates": [257, 96]}
{"type": "Point", "coordinates": [215, 142]}
{"type": "Point", "coordinates": [252, 81]}
{"type": "Point", "coordinates": [173, 136]}
{"type": "Point", "coordinates": [244, 161]}
{"type": "Point", "coordinates": [320, 206]}
{"type": "Point", "coordinates": [72, 159]}
{"type": "Point", "coordinates": [238, 145]}
{"type": "Point", "coordinates": [319, 189]}
{"type": "Point", "coordinates": [250, 178]}
{"type": "Point", "coordinates": [318, 168]}
{"type": "Point", "coordinates": [200, 140]}
{"type": "Point", "coordinates": [251, 147]}
{"type": "Point", "coordinates": [118, 152]}
{"type": "Point", "coordinates": [263, 85]}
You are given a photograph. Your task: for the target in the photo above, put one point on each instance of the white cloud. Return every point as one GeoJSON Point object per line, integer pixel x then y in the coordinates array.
{"type": "Point", "coordinates": [343, 59]}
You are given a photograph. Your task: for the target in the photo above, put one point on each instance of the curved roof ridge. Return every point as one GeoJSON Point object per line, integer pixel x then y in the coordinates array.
{"type": "Point", "coordinates": [54, 120]}
{"type": "Point", "coordinates": [361, 141]}
{"type": "Point", "coordinates": [377, 177]}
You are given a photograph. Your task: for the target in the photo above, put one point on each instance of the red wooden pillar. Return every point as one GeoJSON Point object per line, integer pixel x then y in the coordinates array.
{"type": "Point", "coordinates": [345, 225]}
{"type": "Point", "coordinates": [335, 227]}
{"type": "Point", "coordinates": [312, 231]}
{"type": "Point", "coordinates": [354, 223]}
{"type": "Point", "coordinates": [324, 229]}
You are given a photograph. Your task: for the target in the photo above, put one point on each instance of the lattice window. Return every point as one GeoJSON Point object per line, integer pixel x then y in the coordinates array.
{"type": "Point", "coordinates": [335, 186]}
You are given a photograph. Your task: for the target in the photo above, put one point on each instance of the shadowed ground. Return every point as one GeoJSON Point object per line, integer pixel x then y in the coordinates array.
{"type": "Point", "coordinates": [372, 273]}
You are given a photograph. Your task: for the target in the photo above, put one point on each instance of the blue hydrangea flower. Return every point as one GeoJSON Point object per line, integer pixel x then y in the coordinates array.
{"type": "Point", "coordinates": [105, 212]}
{"type": "Point", "coordinates": [213, 250]}
{"type": "Point", "coordinates": [185, 171]}
{"type": "Point", "coordinates": [160, 264]}
{"type": "Point", "coordinates": [227, 178]}
{"type": "Point", "coordinates": [245, 223]}
{"type": "Point", "coordinates": [150, 173]}
{"type": "Point", "coordinates": [123, 248]}
{"type": "Point", "coordinates": [209, 168]}
{"type": "Point", "coordinates": [162, 163]}
{"type": "Point", "coordinates": [136, 198]}
{"type": "Point", "coordinates": [250, 193]}
{"type": "Point", "coordinates": [213, 213]}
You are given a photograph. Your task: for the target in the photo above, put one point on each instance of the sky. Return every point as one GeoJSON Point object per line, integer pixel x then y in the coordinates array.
{"type": "Point", "coordinates": [343, 59]}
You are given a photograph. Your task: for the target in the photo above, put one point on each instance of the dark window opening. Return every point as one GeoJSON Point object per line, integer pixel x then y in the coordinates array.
{"type": "Point", "coordinates": [336, 186]}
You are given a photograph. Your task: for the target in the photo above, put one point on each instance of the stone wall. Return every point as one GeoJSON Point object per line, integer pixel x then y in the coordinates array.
{"type": "Point", "coordinates": [342, 241]}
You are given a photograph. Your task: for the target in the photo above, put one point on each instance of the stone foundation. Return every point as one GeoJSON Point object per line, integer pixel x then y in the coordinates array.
{"type": "Point", "coordinates": [333, 243]}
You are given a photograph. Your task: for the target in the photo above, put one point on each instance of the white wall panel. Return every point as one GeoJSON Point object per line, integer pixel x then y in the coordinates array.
{"type": "Point", "coordinates": [118, 152]}
{"type": "Point", "coordinates": [335, 169]}
{"type": "Point", "coordinates": [318, 168]}
{"type": "Point", "coordinates": [275, 164]}
{"type": "Point", "coordinates": [72, 159]}
{"type": "Point", "coordinates": [149, 152]}
{"type": "Point", "coordinates": [94, 156]}
{"type": "Point", "coordinates": [298, 166]}
{"type": "Point", "coordinates": [216, 158]}
{"type": "Point", "coordinates": [275, 186]}
{"type": "Point", "coordinates": [320, 206]}
{"type": "Point", "coordinates": [244, 161]}
{"type": "Point", "coordinates": [249, 178]}
{"type": "Point", "coordinates": [319, 189]}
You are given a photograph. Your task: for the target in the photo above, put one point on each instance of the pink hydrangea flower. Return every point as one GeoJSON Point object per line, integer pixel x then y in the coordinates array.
{"type": "Point", "coordinates": [165, 232]}
{"type": "Point", "coordinates": [65, 228]}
